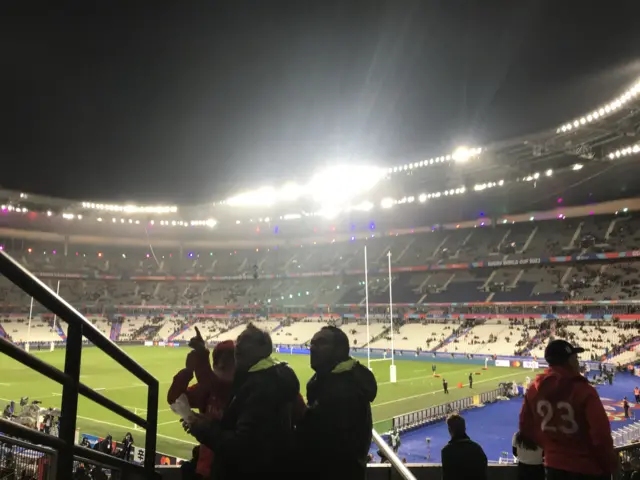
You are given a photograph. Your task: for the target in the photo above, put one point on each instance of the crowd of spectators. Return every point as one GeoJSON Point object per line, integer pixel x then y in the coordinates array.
{"type": "Point", "coordinates": [248, 402]}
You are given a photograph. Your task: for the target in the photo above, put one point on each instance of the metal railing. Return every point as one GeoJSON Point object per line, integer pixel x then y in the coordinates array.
{"type": "Point", "coordinates": [426, 415]}
{"type": "Point", "coordinates": [390, 455]}
{"type": "Point", "coordinates": [18, 459]}
{"type": "Point", "coordinates": [629, 456]}
{"type": "Point", "coordinates": [70, 379]}
{"type": "Point", "coordinates": [627, 434]}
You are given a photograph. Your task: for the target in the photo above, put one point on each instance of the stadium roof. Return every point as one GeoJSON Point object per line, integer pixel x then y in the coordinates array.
{"type": "Point", "coordinates": [594, 152]}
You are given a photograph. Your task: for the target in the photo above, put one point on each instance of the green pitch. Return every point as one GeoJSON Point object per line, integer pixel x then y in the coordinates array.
{"type": "Point", "coordinates": [415, 389]}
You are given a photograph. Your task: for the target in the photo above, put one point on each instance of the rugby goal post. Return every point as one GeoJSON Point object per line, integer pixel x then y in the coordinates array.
{"type": "Point", "coordinates": [392, 367]}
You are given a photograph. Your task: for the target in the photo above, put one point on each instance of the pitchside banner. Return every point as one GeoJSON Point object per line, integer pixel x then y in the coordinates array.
{"type": "Point", "coordinates": [502, 363]}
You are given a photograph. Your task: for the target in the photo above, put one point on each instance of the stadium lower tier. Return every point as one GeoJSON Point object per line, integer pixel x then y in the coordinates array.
{"type": "Point", "coordinates": [491, 336]}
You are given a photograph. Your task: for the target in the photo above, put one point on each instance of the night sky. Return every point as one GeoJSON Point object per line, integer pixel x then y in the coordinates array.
{"type": "Point", "coordinates": [187, 104]}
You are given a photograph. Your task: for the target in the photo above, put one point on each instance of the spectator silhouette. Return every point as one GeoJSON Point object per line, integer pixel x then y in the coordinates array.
{"type": "Point", "coordinates": [462, 458]}
{"type": "Point", "coordinates": [564, 415]}
{"type": "Point", "coordinates": [254, 437]}
{"type": "Point", "coordinates": [334, 435]}
{"type": "Point", "coordinates": [212, 391]}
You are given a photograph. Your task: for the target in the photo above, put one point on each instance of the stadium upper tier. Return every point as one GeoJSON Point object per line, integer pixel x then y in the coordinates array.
{"type": "Point", "coordinates": [546, 260]}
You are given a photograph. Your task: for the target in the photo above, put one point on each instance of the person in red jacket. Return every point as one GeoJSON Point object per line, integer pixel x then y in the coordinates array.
{"type": "Point", "coordinates": [563, 414]}
{"type": "Point", "coordinates": [212, 391]}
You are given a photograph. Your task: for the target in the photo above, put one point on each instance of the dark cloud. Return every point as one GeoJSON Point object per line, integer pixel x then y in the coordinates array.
{"type": "Point", "coordinates": [186, 104]}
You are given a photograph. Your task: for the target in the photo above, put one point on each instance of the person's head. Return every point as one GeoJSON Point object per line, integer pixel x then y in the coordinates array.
{"type": "Point", "coordinates": [252, 346]}
{"type": "Point", "coordinates": [224, 361]}
{"type": "Point", "coordinates": [560, 353]}
{"type": "Point", "coordinates": [329, 347]}
{"type": "Point", "coordinates": [456, 425]}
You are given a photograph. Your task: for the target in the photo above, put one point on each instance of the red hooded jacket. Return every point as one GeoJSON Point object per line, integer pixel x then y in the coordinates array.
{"type": "Point", "coordinates": [563, 414]}
{"type": "Point", "coordinates": [209, 395]}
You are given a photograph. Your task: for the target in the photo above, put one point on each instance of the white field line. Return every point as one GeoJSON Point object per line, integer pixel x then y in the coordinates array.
{"type": "Point", "coordinates": [411, 379]}
{"type": "Point", "coordinates": [129, 428]}
{"type": "Point", "coordinates": [425, 394]}
{"type": "Point", "coordinates": [436, 391]}
{"type": "Point", "coordinates": [102, 422]}
{"type": "Point", "coordinates": [174, 421]}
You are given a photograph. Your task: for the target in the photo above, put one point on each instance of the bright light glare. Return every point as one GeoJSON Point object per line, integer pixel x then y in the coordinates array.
{"type": "Point", "coordinates": [263, 196]}
{"type": "Point", "coordinates": [290, 192]}
{"type": "Point", "coordinates": [387, 203]}
{"type": "Point", "coordinates": [335, 187]}
{"type": "Point", "coordinates": [329, 212]}
{"type": "Point", "coordinates": [344, 181]}
{"type": "Point", "coordinates": [363, 207]}
{"type": "Point", "coordinates": [461, 154]}
{"type": "Point", "coordinates": [332, 188]}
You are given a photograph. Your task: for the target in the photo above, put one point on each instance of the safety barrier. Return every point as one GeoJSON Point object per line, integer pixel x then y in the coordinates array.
{"type": "Point", "coordinates": [68, 454]}
{"type": "Point", "coordinates": [627, 434]}
{"type": "Point", "coordinates": [438, 412]}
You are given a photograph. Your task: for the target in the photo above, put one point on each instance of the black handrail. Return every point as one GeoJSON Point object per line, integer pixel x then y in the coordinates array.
{"type": "Point", "coordinates": [70, 378]}
{"type": "Point", "coordinates": [31, 285]}
{"type": "Point", "coordinates": [38, 438]}
{"type": "Point", "coordinates": [56, 375]}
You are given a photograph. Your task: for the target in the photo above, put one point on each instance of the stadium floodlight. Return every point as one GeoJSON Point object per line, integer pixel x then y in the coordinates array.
{"type": "Point", "coordinates": [290, 192]}
{"type": "Point", "coordinates": [265, 196]}
{"type": "Point", "coordinates": [462, 154]}
{"type": "Point", "coordinates": [131, 208]}
{"type": "Point", "coordinates": [329, 212]}
{"type": "Point", "coordinates": [344, 182]}
{"type": "Point", "coordinates": [577, 166]}
{"type": "Point", "coordinates": [422, 197]}
{"type": "Point", "coordinates": [387, 202]}
{"type": "Point", "coordinates": [548, 173]}
{"type": "Point", "coordinates": [363, 206]}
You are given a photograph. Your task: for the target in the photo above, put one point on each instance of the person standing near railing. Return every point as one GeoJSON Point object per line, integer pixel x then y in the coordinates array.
{"type": "Point", "coordinates": [530, 458]}
{"type": "Point", "coordinates": [212, 391]}
{"type": "Point", "coordinates": [462, 458]}
{"type": "Point", "coordinates": [334, 436]}
{"type": "Point", "coordinates": [563, 414]}
{"type": "Point", "coordinates": [254, 436]}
